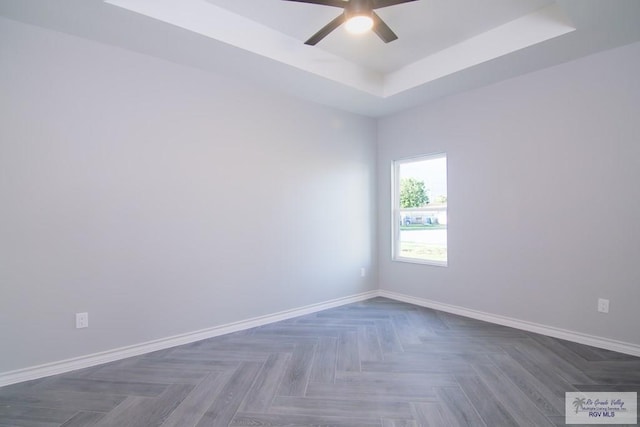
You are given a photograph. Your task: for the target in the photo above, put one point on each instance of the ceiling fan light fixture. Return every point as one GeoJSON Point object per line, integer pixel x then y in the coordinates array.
{"type": "Point", "coordinates": [359, 24]}
{"type": "Point", "coordinates": [358, 17]}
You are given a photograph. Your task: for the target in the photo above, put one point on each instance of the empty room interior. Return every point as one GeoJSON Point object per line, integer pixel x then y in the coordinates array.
{"type": "Point", "coordinates": [235, 212]}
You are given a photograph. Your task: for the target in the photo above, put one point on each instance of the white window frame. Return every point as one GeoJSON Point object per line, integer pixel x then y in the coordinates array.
{"type": "Point", "coordinates": [396, 211]}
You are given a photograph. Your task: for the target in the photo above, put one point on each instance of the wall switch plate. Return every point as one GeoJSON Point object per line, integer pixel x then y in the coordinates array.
{"type": "Point", "coordinates": [82, 320]}
{"type": "Point", "coordinates": [362, 272]}
{"type": "Point", "coordinates": [603, 305]}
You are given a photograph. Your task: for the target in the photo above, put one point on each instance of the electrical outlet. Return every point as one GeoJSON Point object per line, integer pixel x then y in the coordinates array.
{"type": "Point", "coordinates": [82, 320]}
{"type": "Point", "coordinates": [362, 272]}
{"type": "Point", "coordinates": [603, 305]}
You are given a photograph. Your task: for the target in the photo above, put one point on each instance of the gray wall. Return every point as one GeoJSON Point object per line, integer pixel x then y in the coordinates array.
{"type": "Point", "coordinates": [544, 196]}
{"type": "Point", "coordinates": [164, 200]}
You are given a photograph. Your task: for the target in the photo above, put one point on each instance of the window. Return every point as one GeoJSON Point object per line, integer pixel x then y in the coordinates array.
{"type": "Point", "coordinates": [420, 210]}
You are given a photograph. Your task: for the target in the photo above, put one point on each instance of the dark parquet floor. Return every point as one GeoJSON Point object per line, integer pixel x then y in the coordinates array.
{"type": "Point", "coordinates": [377, 363]}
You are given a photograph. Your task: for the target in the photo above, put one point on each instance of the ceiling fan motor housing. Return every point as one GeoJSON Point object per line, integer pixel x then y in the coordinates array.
{"type": "Point", "coordinates": [358, 8]}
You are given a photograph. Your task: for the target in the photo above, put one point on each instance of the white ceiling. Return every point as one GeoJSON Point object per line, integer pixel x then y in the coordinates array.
{"type": "Point", "coordinates": [444, 46]}
{"type": "Point", "coordinates": [424, 27]}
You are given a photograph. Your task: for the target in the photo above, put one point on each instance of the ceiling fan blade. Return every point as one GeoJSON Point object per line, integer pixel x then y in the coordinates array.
{"type": "Point", "coordinates": [324, 31]}
{"type": "Point", "coordinates": [382, 30]}
{"type": "Point", "coordinates": [334, 3]}
{"type": "Point", "coordinates": [379, 4]}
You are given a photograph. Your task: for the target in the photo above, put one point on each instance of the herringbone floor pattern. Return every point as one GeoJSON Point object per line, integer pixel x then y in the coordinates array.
{"type": "Point", "coordinates": [376, 363]}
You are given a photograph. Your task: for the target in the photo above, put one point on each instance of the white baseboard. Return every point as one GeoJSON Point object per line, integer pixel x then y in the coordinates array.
{"type": "Point", "coordinates": [68, 365]}
{"type": "Point", "coordinates": [594, 341]}
{"type": "Point", "coordinates": [60, 367]}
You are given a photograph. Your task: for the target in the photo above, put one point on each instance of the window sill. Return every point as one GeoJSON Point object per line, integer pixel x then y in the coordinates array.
{"type": "Point", "coordinates": [421, 261]}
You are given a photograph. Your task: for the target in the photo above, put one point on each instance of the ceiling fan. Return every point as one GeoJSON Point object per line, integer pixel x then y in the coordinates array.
{"type": "Point", "coordinates": [359, 17]}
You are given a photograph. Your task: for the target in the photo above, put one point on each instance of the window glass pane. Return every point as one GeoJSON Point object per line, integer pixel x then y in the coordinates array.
{"type": "Point", "coordinates": [421, 210]}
